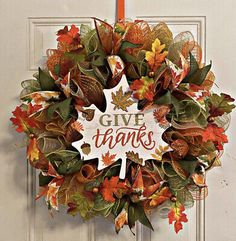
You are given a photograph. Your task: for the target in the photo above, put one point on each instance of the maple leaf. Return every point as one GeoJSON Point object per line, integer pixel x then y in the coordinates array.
{"type": "Point", "coordinates": [215, 134]}
{"type": "Point", "coordinates": [160, 197]}
{"type": "Point", "coordinates": [68, 36]}
{"type": "Point", "coordinates": [143, 88]}
{"type": "Point", "coordinates": [160, 114]}
{"type": "Point", "coordinates": [121, 100]}
{"type": "Point", "coordinates": [22, 120]}
{"type": "Point", "coordinates": [33, 150]}
{"type": "Point", "coordinates": [220, 104]}
{"type": "Point", "coordinates": [177, 216]}
{"type": "Point", "coordinates": [108, 159]}
{"type": "Point", "coordinates": [134, 157]}
{"type": "Point", "coordinates": [157, 55]}
{"type": "Point", "coordinates": [112, 187]}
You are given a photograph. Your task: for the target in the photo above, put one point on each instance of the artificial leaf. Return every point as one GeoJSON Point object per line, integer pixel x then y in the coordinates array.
{"type": "Point", "coordinates": [32, 150]}
{"type": "Point", "coordinates": [121, 219]}
{"type": "Point", "coordinates": [68, 36]}
{"type": "Point", "coordinates": [160, 196]}
{"type": "Point", "coordinates": [121, 100]}
{"type": "Point", "coordinates": [177, 216]}
{"type": "Point", "coordinates": [81, 204]}
{"type": "Point", "coordinates": [112, 187]}
{"type": "Point", "coordinates": [143, 88]}
{"type": "Point", "coordinates": [62, 108]}
{"type": "Point", "coordinates": [220, 104]}
{"type": "Point", "coordinates": [22, 121]}
{"type": "Point", "coordinates": [196, 75]}
{"type": "Point", "coordinates": [157, 56]}
{"type": "Point", "coordinates": [102, 207]}
{"type": "Point", "coordinates": [46, 81]}
{"type": "Point", "coordinates": [215, 134]}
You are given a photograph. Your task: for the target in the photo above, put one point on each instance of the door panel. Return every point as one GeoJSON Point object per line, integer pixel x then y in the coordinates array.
{"type": "Point", "coordinates": [27, 29]}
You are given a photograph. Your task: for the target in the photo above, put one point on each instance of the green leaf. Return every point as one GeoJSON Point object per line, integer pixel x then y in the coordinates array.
{"type": "Point", "coordinates": [83, 205]}
{"type": "Point", "coordinates": [185, 197]}
{"type": "Point", "coordinates": [118, 206]}
{"type": "Point", "coordinates": [44, 180]}
{"type": "Point", "coordinates": [123, 53]}
{"type": "Point", "coordinates": [75, 57]}
{"type": "Point", "coordinates": [46, 81]}
{"type": "Point", "coordinates": [166, 99]}
{"type": "Point", "coordinates": [220, 104]}
{"type": "Point", "coordinates": [101, 206]}
{"type": "Point", "coordinates": [142, 217]}
{"type": "Point", "coordinates": [196, 75]}
{"type": "Point", "coordinates": [189, 165]}
{"type": "Point", "coordinates": [136, 212]}
{"type": "Point", "coordinates": [176, 183]}
{"type": "Point", "coordinates": [62, 108]}
{"type": "Point", "coordinates": [66, 161]}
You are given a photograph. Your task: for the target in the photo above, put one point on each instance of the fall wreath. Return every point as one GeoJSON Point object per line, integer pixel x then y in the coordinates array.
{"type": "Point", "coordinates": [121, 120]}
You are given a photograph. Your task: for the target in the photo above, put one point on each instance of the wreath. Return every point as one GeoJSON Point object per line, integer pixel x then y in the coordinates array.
{"type": "Point", "coordinates": [121, 120]}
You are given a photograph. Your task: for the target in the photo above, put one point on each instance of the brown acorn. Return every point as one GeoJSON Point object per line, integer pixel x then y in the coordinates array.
{"type": "Point", "coordinates": [86, 149]}
{"type": "Point", "coordinates": [95, 190]}
{"type": "Point", "coordinates": [151, 74]}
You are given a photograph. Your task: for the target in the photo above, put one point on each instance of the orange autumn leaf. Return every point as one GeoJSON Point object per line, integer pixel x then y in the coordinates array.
{"type": "Point", "coordinates": [143, 88]}
{"type": "Point", "coordinates": [108, 159]}
{"type": "Point", "coordinates": [121, 220]}
{"type": "Point", "coordinates": [68, 36]}
{"type": "Point", "coordinates": [22, 120]}
{"type": "Point", "coordinates": [161, 196]}
{"type": "Point", "coordinates": [177, 216]}
{"type": "Point", "coordinates": [33, 150]}
{"type": "Point", "coordinates": [216, 135]}
{"type": "Point", "coordinates": [157, 56]}
{"type": "Point", "coordinates": [112, 187]}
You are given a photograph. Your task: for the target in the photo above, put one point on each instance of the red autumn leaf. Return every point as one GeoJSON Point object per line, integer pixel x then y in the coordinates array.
{"type": "Point", "coordinates": [112, 187]}
{"type": "Point", "coordinates": [177, 216]}
{"type": "Point", "coordinates": [143, 88]}
{"type": "Point", "coordinates": [68, 36]}
{"type": "Point", "coordinates": [22, 120]}
{"type": "Point", "coordinates": [108, 159]}
{"type": "Point", "coordinates": [216, 135]}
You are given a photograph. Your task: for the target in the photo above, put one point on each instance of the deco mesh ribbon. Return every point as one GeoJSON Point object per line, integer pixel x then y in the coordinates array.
{"type": "Point", "coordinates": [165, 74]}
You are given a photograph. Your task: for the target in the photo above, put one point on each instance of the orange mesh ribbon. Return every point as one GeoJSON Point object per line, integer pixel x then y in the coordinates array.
{"type": "Point", "coordinates": [120, 11]}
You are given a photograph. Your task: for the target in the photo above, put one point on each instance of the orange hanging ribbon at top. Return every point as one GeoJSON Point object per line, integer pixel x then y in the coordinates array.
{"type": "Point", "coordinates": [120, 10]}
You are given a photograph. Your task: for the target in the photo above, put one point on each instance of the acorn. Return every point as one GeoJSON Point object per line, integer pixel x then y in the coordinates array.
{"type": "Point", "coordinates": [151, 74]}
{"type": "Point", "coordinates": [95, 190]}
{"type": "Point", "coordinates": [86, 148]}
{"type": "Point", "coordinates": [211, 119]}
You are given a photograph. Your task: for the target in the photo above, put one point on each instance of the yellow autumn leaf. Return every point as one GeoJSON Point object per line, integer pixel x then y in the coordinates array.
{"type": "Point", "coordinates": [157, 56]}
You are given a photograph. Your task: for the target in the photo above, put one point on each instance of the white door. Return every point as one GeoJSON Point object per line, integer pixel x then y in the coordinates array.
{"type": "Point", "coordinates": [27, 29]}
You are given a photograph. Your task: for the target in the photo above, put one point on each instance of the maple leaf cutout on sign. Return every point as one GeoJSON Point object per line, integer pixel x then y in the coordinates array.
{"type": "Point", "coordinates": [108, 159]}
{"type": "Point", "coordinates": [121, 132]}
{"type": "Point", "coordinates": [121, 100]}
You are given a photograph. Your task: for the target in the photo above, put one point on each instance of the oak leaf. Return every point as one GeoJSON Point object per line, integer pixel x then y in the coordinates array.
{"type": "Point", "coordinates": [134, 157]}
{"type": "Point", "coordinates": [112, 187]}
{"type": "Point", "coordinates": [177, 216]}
{"type": "Point", "coordinates": [157, 56]}
{"type": "Point", "coordinates": [121, 100]}
{"type": "Point", "coordinates": [22, 120]}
